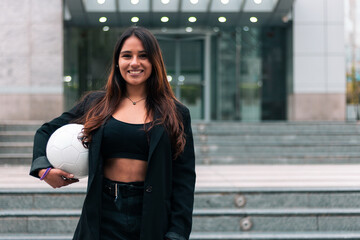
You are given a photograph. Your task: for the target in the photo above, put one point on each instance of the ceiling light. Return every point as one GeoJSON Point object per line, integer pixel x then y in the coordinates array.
{"type": "Point", "coordinates": [188, 29]}
{"type": "Point", "coordinates": [169, 78]}
{"type": "Point", "coordinates": [67, 79]}
{"type": "Point", "coordinates": [101, 1]}
{"type": "Point", "coordinates": [135, 19]}
{"type": "Point", "coordinates": [134, 2]}
{"type": "Point", "coordinates": [222, 19]}
{"type": "Point", "coordinates": [165, 1]}
{"type": "Point", "coordinates": [246, 28]}
{"type": "Point", "coordinates": [253, 19]}
{"type": "Point", "coordinates": [194, 1]}
{"type": "Point", "coordinates": [224, 1]}
{"type": "Point", "coordinates": [181, 78]}
{"type": "Point", "coordinates": [106, 28]}
{"type": "Point", "coordinates": [164, 19]}
{"type": "Point", "coordinates": [192, 19]}
{"type": "Point", "coordinates": [257, 1]}
{"type": "Point", "coordinates": [102, 19]}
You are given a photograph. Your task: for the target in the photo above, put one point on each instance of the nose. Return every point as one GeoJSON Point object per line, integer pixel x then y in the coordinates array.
{"type": "Point", "coordinates": [134, 62]}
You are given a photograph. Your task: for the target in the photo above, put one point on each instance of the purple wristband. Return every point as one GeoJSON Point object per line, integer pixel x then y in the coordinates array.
{"type": "Point", "coordinates": [45, 173]}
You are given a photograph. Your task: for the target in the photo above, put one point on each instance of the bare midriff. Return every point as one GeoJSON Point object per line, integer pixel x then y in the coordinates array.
{"type": "Point", "coordinates": [125, 169]}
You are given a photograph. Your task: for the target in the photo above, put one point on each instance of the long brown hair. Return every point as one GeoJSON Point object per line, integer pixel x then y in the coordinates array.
{"type": "Point", "coordinates": [160, 100]}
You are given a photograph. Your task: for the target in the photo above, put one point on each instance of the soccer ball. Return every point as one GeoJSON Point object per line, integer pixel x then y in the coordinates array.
{"type": "Point", "coordinates": [66, 152]}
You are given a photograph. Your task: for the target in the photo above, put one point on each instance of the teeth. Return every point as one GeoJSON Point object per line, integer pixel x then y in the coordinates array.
{"type": "Point", "coordinates": [135, 72]}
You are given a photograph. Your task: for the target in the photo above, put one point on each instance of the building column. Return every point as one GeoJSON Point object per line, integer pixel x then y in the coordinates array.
{"type": "Point", "coordinates": [319, 81]}
{"type": "Point", "coordinates": [31, 59]}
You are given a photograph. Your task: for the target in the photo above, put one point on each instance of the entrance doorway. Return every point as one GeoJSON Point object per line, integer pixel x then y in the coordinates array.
{"type": "Point", "coordinates": [184, 61]}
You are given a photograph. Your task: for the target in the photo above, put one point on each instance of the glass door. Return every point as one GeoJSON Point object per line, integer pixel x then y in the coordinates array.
{"type": "Point", "coordinates": [183, 58]}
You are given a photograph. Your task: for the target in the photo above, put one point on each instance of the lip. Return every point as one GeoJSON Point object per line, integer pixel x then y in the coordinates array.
{"type": "Point", "coordinates": [135, 72]}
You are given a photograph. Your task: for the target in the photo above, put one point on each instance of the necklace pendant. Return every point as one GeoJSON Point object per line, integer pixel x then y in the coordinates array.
{"type": "Point", "coordinates": [134, 103]}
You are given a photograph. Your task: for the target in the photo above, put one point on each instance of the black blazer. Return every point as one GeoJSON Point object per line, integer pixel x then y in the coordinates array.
{"type": "Point", "coordinates": [169, 184]}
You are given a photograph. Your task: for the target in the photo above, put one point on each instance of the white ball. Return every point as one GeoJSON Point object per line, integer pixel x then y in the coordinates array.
{"type": "Point", "coordinates": [65, 151]}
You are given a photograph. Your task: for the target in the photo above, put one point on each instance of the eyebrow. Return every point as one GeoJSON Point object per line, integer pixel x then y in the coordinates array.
{"type": "Point", "coordinates": [143, 51]}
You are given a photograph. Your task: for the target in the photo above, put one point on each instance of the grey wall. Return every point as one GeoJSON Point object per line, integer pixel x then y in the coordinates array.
{"type": "Point", "coordinates": [31, 59]}
{"type": "Point", "coordinates": [319, 84]}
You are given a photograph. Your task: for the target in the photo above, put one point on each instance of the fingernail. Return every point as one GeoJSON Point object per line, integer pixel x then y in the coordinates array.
{"type": "Point", "coordinates": [71, 175]}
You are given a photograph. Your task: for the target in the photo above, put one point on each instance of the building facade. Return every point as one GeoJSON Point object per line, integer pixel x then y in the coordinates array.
{"type": "Point", "coordinates": [227, 60]}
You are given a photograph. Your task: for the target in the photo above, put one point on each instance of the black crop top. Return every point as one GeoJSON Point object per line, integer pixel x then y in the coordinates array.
{"type": "Point", "coordinates": [124, 140]}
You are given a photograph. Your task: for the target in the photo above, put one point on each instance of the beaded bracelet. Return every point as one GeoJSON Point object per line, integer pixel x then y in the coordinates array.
{"type": "Point", "coordinates": [45, 173]}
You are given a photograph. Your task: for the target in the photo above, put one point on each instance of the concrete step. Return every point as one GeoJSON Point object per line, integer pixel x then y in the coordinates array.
{"type": "Point", "coordinates": [204, 220]}
{"type": "Point", "coordinates": [205, 198]}
{"type": "Point", "coordinates": [205, 159]}
{"type": "Point", "coordinates": [273, 141]}
{"type": "Point", "coordinates": [215, 236]}
{"type": "Point", "coordinates": [273, 236]}
{"type": "Point", "coordinates": [16, 236]}
{"type": "Point", "coordinates": [275, 149]}
{"type": "Point", "coordinates": [15, 159]}
{"type": "Point", "coordinates": [243, 177]}
{"type": "Point", "coordinates": [279, 128]}
{"type": "Point", "coordinates": [16, 147]}
{"type": "Point", "coordinates": [13, 125]}
{"type": "Point", "coordinates": [17, 136]}
{"type": "Point", "coordinates": [277, 158]}
{"type": "Point", "coordinates": [233, 149]}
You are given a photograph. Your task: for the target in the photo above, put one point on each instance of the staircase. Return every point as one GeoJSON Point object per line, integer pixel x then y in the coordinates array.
{"type": "Point", "coordinates": [232, 143]}
{"type": "Point", "coordinates": [277, 143]}
{"type": "Point", "coordinates": [219, 214]}
{"type": "Point", "coordinates": [16, 141]}
{"type": "Point", "coordinates": [245, 187]}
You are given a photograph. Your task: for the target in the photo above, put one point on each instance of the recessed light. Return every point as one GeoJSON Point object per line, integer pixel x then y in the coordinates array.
{"type": "Point", "coordinates": [253, 19]}
{"type": "Point", "coordinates": [181, 78]}
{"type": "Point", "coordinates": [165, 1]}
{"type": "Point", "coordinates": [106, 28]}
{"type": "Point", "coordinates": [102, 19]}
{"type": "Point", "coordinates": [222, 19]}
{"type": "Point", "coordinates": [188, 29]}
{"type": "Point", "coordinates": [164, 19]}
{"type": "Point", "coordinates": [257, 1]}
{"type": "Point", "coordinates": [67, 79]}
{"type": "Point", "coordinates": [135, 19]}
{"type": "Point", "coordinates": [246, 28]}
{"type": "Point", "coordinates": [134, 2]}
{"type": "Point", "coordinates": [169, 78]}
{"type": "Point", "coordinates": [192, 19]}
{"type": "Point", "coordinates": [194, 1]}
{"type": "Point", "coordinates": [101, 1]}
{"type": "Point", "coordinates": [224, 1]}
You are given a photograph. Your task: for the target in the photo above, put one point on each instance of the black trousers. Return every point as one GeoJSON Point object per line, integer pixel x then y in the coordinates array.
{"type": "Point", "coordinates": [121, 210]}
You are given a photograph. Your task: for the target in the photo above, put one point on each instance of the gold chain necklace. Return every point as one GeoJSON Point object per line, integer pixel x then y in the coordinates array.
{"type": "Point", "coordinates": [134, 102]}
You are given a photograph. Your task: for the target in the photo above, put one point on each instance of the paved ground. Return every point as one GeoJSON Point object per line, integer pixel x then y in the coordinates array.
{"type": "Point", "coordinates": [243, 176]}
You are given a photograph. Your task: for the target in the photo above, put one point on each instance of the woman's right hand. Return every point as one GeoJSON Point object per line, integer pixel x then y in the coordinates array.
{"type": "Point", "coordinates": [57, 178]}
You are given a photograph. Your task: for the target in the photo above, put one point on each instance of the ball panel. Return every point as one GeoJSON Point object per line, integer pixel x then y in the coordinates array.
{"type": "Point", "coordinates": [65, 151]}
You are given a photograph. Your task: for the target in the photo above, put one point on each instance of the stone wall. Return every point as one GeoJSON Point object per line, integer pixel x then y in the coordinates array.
{"type": "Point", "coordinates": [319, 84]}
{"type": "Point", "coordinates": [31, 59]}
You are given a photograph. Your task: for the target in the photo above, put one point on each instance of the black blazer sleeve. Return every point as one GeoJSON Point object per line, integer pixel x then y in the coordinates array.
{"type": "Point", "coordinates": [182, 197]}
{"type": "Point", "coordinates": [43, 134]}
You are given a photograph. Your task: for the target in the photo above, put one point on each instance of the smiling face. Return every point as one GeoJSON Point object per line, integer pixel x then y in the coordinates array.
{"type": "Point", "coordinates": [134, 63]}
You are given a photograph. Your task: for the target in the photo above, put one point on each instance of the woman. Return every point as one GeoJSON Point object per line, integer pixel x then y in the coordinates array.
{"type": "Point", "coordinates": [141, 154]}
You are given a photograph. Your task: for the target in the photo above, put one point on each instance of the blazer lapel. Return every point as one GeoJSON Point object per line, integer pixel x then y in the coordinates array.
{"type": "Point", "coordinates": [94, 154]}
{"type": "Point", "coordinates": [155, 135]}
